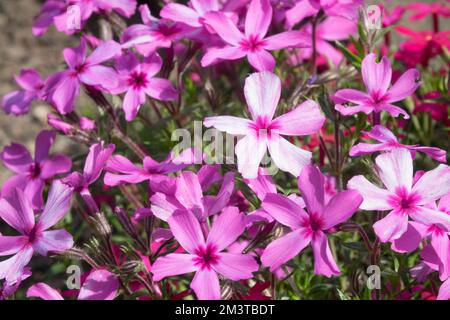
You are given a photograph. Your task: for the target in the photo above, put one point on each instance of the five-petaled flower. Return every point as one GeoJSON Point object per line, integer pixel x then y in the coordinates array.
{"type": "Point", "coordinates": [253, 43]}
{"type": "Point", "coordinates": [262, 92]}
{"type": "Point", "coordinates": [17, 212]}
{"type": "Point", "coordinates": [206, 258]}
{"type": "Point", "coordinates": [377, 78]}
{"type": "Point", "coordinates": [31, 174]}
{"type": "Point", "coordinates": [403, 198]}
{"type": "Point", "coordinates": [308, 226]}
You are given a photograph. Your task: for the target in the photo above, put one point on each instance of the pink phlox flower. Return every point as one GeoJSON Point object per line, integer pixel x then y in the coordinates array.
{"type": "Point", "coordinates": [388, 141]}
{"type": "Point", "coordinates": [121, 170]}
{"type": "Point", "coordinates": [153, 34]}
{"type": "Point", "coordinates": [311, 226]}
{"type": "Point", "coordinates": [193, 14]}
{"type": "Point", "coordinates": [262, 93]}
{"type": "Point", "coordinates": [347, 9]}
{"type": "Point", "coordinates": [436, 226]}
{"type": "Point", "coordinates": [331, 29]}
{"type": "Point", "coordinates": [253, 43]}
{"type": "Point", "coordinates": [430, 263]}
{"type": "Point", "coordinates": [393, 16]}
{"type": "Point", "coordinates": [402, 197]}
{"type": "Point", "coordinates": [421, 10]}
{"type": "Point", "coordinates": [421, 46]}
{"type": "Point", "coordinates": [379, 97]}
{"type": "Point", "coordinates": [99, 285]}
{"type": "Point", "coordinates": [63, 87]}
{"type": "Point", "coordinates": [206, 258]}
{"type": "Point", "coordinates": [431, 103]}
{"type": "Point", "coordinates": [18, 102]}
{"type": "Point", "coordinates": [31, 174]}
{"type": "Point", "coordinates": [9, 288]}
{"type": "Point", "coordinates": [187, 194]}
{"type": "Point", "coordinates": [70, 16]}
{"type": "Point", "coordinates": [17, 212]}
{"type": "Point", "coordinates": [138, 80]}
{"type": "Point", "coordinates": [95, 163]}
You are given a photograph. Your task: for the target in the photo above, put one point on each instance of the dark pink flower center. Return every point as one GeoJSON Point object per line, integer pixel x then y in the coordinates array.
{"type": "Point", "coordinates": [34, 234]}
{"type": "Point", "coordinates": [34, 170]}
{"type": "Point", "coordinates": [314, 223]}
{"type": "Point", "coordinates": [436, 229]}
{"type": "Point", "coordinates": [138, 80]}
{"type": "Point", "coordinates": [80, 68]}
{"type": "Point", "coordinates": [378, 98]}
{"type": "Point", "coordinates": [206, 257]}
{"type": "Point", "coordinates": [264, 126]}
{"type": "Point", "coordinates": [168, 31]}
{"type": "Point", "coordinates": [252, 43]}
{"type": "Point", "coordinates": [403, 200]}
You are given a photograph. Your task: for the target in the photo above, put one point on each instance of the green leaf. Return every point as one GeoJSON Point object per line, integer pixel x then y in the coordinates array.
{"type": "Point", "coordinates": [350, 56]}
{"type": "Point", "coordinates": [342, 295]}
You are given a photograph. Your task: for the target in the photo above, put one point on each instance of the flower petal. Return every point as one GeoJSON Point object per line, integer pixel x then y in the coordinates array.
{"type": "Point", "coordinates": [206, 285]}
{"type": "Point", "coordinates": [441, 244]}
{"type": "Point", "coordinates": [341, 207]}
{"type": "Point", "coordinates": [262, 185]}
{"type": "Point", "coordinates": [236, 266]}
{"type": "Point", "coordinates": [55, 165]}
{"type": "Point", "coordinates": [16, 158]}
{"type": "Point", "coordinates": [17, 211]}
{"type": "Point", "coordinates": [276, 253]}
{"type": "Point", "coordinates": [214, 55]}
{"type": "Point", "coordinates": [58, 204]}
{"type": "Point", "coordinates": [258, 18]}
{"type": "Point", "coordinates": [444, 291]}
{"type": "Point", "coordinates": [11, 245]}
{"type": "Point", "coordinates": [324, 263]}
{"type": "Point", "coordinates": [180, 13]}
{"type": "Point", "coordinates": [287, 156]}
{"type": "Point", "coordinates": [261, 60]}
{"type": "Point", "coordinates": [173, 264]}
{"type": "Point", "coordinates": [431, 217]}
{"type": "Point", "coordinates": [405, 86]}
{"type": "Point", "coordinates": [99, 285]}
{"type": "Point", "coordinates": [161, 89]}
{"type": "Point", "coordinates": [349, 111]}
{"type": "Point", "coordinates": [376, 76]}
{"type": "Point", "coordinates": [227, 227]}
{"type": "Point", "coordinates": [56, 241]}
{"type": "Point", "coordinates": [288, 39]}
{"type": "Point", "coordinates": [105, 51]}
{"type": "Point", "coordinates": [394, 111]}
{"type": "Point", "coordinates": [391, 227]}
{"type": "Point", "coordinates": [351, 95]}
{"type": "Point", "coordinates": [228, 124]}
{"type": "Point", "coordinates": [249, 151]}
{"type": "Point", "coordinates": [44, 141]}
{"type": "Point", "coordinates": [262, 91]}
{"type": "Point", "coordinates": [367, 148]}
{"type": "Point", "coordinates": [311, 186]}
{"type": "Point", "coordinates": [224, 27]}
{"type": "Point", "coordinates": [43, 291]}
{"type": "Point", "coordinates": [374, 198]}
{"type": "Point", "coordinates": [186, 229]}
{"type": "Point", "coordinates": [410, 240]}
{"type": "Point", "coordinates": [189, 191]}
{"type": "Point", "coordinates": [101, 76]}
{"type": "Point", "coordinates": [284, 210]}
{"type": "Point", "coordinates": [433, 184]}
{"type": "Point", "coordinates": [395, 169]}
{"type": "Point", "coordinates": [12, 268]}
{"type": "Point", "coordinates": [305, 119]}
